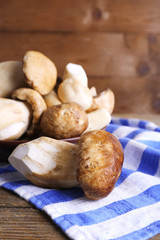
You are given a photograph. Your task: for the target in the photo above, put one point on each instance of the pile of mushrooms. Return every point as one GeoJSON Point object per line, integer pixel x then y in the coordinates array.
{"type": "Point", "coordinates": [35, 84]}
{"type": "Point", "coordinates": [35, 103]}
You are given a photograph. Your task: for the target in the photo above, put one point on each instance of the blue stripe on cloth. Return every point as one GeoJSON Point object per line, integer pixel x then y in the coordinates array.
{"type": "Point", "coordinates": [65, 195]}
{"type": "Point", "coordinates": [124, 122]}
{"type": "Point", "coordinates": [133, 134]}
{"type": "Point", "coordinates": [144, 233]}
{"type": "Point", "coordinates": [157, 129]}
{"type": "Point", "coordinates": [124, 174]}
{"type": "Point", "coordinates": [124, 142]}
{"type": "Point", "coordinates": [148, 154]}
{"type": "Point", "coordinates": [142, 124]}
{"type": "Point", "coordinates": [56, 196]}
{"type": "Point", "coordinates": [7, 169]}
{"type": "Point", "coordinates": [15, 184]}
{"type": "Point", "coordinates": [149, 161]}
{"type": "Point", "coordinates": [148, 197]}
{"type": "Point", "coordinates": [111, 128]}
{"type": "Point", "coordinates": [150, 143]}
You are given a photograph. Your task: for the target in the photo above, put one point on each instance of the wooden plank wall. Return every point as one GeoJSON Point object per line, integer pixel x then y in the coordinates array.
{"type": "Point", "coordinates": [116, 41]}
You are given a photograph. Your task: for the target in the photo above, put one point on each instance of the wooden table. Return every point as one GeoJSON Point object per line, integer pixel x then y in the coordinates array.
{"type": "Point", "coordinates": [21, 220]}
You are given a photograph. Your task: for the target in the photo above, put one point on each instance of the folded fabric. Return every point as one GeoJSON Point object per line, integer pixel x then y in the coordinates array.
{"type": "Point", "coordinates": [131, 211]}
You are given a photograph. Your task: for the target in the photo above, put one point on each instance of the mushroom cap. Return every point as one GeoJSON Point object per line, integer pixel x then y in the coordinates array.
{"type": "Point", "coordinates": [64, 121]}
{"type": "Point", "coordinates": [100, 163]}
{"type": "Point", "coordinates": [40, 71]}
{"type": "Point", "coordinates": [36, 101]}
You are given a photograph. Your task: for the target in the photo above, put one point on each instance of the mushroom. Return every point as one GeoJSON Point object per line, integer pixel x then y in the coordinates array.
{"type": "Point", "coordinates": [47, 162]}
{"type": "Point", "coordinates": [51, 99]}
{"type": "Point", "coordinates": [40, 71]}
{"type": "Point", "coordinates": [105, 99]}
{"type": "Point", "coordinates": [100, 159]}
{"type": "Point", "coordinates": [95, 163]}
{"type": "Point", "coordinates": [36, 101]}
{"type": "Point", "coordinates": [75, 72]}
{"type": "Point", "coordinates": [93, 91]}
{"type": "Point", "coordinates": [11, 77]}
{"type": "Point", "coordinates": [98, 119]}
{"type": "Point", "coordinates": [72, 90]}
{"type": "Point", "coordinates": [14, 120]}
{"type": "Point", "coordinates": [64, 121]}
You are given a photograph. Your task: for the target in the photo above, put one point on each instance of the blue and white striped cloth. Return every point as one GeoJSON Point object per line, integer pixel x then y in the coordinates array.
{"type": "Point", "coordinates": [131, 211]}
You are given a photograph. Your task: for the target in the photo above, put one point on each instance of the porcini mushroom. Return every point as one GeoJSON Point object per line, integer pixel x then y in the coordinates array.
{"type": "Point", "coordinates": [105, 99]}
{"type": "Point", "coordinates": [15, 118]}
{"type": "Point", "coordinates": [76, 72]}
{"type": "Point", "coordinates": [64, 121]}
{"type": "Point", "coordinates": [11, 77]}
{"type": "Point", "coordinates": [100, 159]}
{"type": "Point", "coordinates": [72, 90]}
{"type": "Point", "coordinates": [36, 101]}
{"type": "Point", "coordinates": [40, 72]}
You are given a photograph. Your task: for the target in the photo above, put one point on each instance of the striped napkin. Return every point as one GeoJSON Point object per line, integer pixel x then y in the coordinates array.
{"type": "Point", "coordinates": [131, 211]}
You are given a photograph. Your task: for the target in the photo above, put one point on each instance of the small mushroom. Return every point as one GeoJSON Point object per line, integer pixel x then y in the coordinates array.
{"type": "Point", "coordinates": [64, 121]}
{"type": "Point", "coordinates": [72, 90]}
{"type": "Point", "coordinates": [100, 160]}
{"type": "Point", "coordinates": [75, 72]}
{"type": "Point", "coordinates": [40, 71]}
{"type": "Point", "coordinates": [105, 99]}
{"type": "Point", "coordinates": [15, 118]}
{"type": "Point", "coordinates": [93, 91]}
{"type": "Point", "coordinates": [11, 78]}
{"type": "Point", "coordinates": [47, 162]}
{"type": "Point", "coordinates": [98, 119]}
{"type": "Point", "coordinates": [36, 101]}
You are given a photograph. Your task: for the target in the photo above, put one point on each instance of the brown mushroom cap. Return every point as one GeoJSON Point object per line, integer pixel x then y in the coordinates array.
{"type": "Point", "coordinates": [64, 121]}
{"type": "Point", "coordinates": [100, 163]}
{"type": "Point", "coordinates": [40, 71]}
{"type": "Point", "coordinates": [35, 100]}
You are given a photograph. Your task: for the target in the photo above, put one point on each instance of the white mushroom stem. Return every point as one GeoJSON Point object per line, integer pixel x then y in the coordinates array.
{"type": "Point", "coordinates": [75, 72]}
{"type": "Point", "coordinates": [47, 162]}
{"type": "Point", "coordinates": [51, 99]}
{"type": "Point", "coordinates": [72, 90]}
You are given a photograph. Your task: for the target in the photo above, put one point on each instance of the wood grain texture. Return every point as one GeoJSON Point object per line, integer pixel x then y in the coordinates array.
{"type": "Point", "coordinates": [126, 63]}
{"type": "Point", "coordinates": [101, 54]}
{"type": "Point", "coordinates": [21, 220]}
{"type": "Point", "coordinates": [93, 15]}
